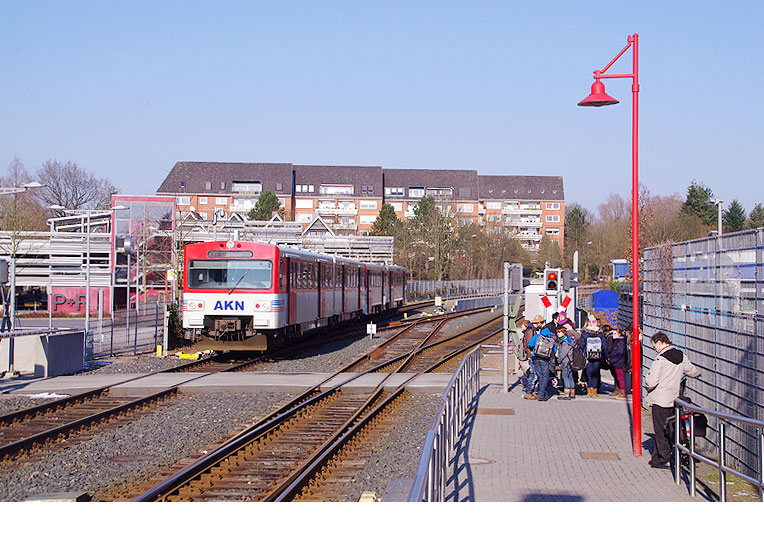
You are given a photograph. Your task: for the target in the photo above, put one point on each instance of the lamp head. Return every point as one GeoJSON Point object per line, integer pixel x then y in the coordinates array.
{"type": "Point", "coordinates": [598, 97]}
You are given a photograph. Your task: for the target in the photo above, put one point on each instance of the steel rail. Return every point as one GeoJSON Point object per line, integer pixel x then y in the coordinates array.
{"type": "Point", "coordinates": [310, 396]}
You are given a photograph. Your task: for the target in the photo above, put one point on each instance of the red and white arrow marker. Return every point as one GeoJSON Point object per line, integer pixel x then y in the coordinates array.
{"type": "Point", "coordinates": [566, 302]}
{"type": "Point", "coordinates": [546, 302]}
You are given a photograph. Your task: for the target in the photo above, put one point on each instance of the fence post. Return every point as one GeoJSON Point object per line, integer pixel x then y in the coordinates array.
{"type": "Point", "coordinates": [156, 324]}
{"type": "Point", "coordinates": [135, 337]}
{"type": "Point", "coordinates": [111, 338]}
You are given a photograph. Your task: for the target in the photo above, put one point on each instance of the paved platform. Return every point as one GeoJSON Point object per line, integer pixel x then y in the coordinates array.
{"type": "Point", "coordinates": [235, 382]}
{"type": "Point", "coordinates": [516, 450]}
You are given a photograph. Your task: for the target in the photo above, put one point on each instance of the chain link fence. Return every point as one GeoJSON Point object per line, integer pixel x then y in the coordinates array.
{"type": "Point", "coordinates": [128, 332]}
{"type": "Point", "coordinates": [427, 290]}
{"type": "Point", "coordinates": [707, 295]}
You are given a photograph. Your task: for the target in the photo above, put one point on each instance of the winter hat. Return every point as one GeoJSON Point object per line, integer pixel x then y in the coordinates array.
{"type": "Point", "coordinates": [562, 318]}
{"type": "Point", "coordinates": [592, 326]}
{"type": "Point", "coordinates": [538, 319]}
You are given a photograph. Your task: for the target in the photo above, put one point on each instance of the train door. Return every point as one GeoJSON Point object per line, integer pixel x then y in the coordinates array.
{"type": "Point", "coordinates": [291, 294]}
{"type": "Point", "coordinates": [359, 306]}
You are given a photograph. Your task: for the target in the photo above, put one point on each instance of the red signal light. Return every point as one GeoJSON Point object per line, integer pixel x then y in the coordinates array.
{"type": "Point", "coordinates": [552, 275]}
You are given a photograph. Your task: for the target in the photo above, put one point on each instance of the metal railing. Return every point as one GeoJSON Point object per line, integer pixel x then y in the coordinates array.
{"type": "Point", "coordinates": [431, 478]}
{"type": "Point", "coordinates": [428, 289]}
{"type": "Point", "coordinates": [721, 461]}
{"type": "Point", "coordinates": [127, 332]}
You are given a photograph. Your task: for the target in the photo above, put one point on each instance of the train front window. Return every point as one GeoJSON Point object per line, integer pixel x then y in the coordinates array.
{"type": "Point", "coordinates": [230, 274]}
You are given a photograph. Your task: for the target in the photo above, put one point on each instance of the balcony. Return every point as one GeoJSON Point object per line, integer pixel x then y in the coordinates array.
{"type": "Point", "coordinates": [523, 235]}
{"type": "Point", "coordinates": [352, 226]}
{"type": "Point", "coordinates": [334, 210]}
{"type": "Point", "coordinates": [529, 223]}
{"type": "Point", "coordinates": [520, 211]}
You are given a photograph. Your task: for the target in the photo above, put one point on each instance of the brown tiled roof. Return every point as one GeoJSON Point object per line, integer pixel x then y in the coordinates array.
{"type": "Point", "coordinates": [196, 174]}
{"type": "Point", "coordinates": [464, 182]}
{"type": "Point", "coordinates": [361, 178]}
{"type": "Point", "coordinates": [521, 188]}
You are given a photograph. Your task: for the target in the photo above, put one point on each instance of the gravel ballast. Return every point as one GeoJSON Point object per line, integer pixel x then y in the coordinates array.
{"type": "Point", "coordinates": [137, 450]}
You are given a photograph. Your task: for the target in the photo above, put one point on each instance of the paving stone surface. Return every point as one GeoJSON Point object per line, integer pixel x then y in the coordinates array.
{"type": "Point", "coordinates": [535, 454]}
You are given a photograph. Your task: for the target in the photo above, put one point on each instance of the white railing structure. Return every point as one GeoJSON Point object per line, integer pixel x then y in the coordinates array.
{"type": "Point", "coordinates": [747, 425]}
{"type": "Point", "coordinates": [431, 478]}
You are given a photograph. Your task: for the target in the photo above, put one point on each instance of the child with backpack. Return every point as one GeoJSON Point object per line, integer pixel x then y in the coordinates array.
{"type": "Point", "coordinates": [544, 351]}
{"type": "Point", "coordinates": [565, 347]}
{"type": "Point", "coordinates": [594, 345]}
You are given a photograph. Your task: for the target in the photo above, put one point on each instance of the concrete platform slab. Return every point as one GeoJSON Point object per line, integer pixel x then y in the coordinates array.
{"type": "Point", "coordinates": [68, 384]}
{"type": "Point", "coordinates": [251, 382]}
{"type": "Point", "coordinates": [155, 383]}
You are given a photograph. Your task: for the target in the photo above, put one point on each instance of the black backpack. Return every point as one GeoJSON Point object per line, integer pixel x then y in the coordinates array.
{"type": "Point", "coordinates": [579, 359]}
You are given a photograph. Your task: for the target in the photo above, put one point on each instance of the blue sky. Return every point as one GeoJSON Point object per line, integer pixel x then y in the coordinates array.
{"type": "Point", "coordinates": [128, 89]}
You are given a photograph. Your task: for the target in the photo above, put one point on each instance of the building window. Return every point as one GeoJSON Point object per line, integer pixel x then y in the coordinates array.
{"type": "Point", "coordinates": [394, 191]}
{"type": "Point", "coordinates": [336, 189]}
{"type": "Point", "coordinates": [553, 231]}
{"type": "Point", "coordinates": [279, 187]}
{"type": "Point", "coordinates": [202, 200]}
{"type": "Point", "coordinates": [306, 217]}
{"type": "Point", "coordinates": [464, 192]}
{"type": "Point", "coordinates": [367, 204]}
{"type": "Point", "coordinates": [553, 218]}
{"type": "Point", "coordinates": [552, 206]}
{"type": "Point", "coordinates": [493, 218]}
{"type": "Point", "coordinates": [397, 206]}
{"type": "Point", "coordinates": [221, 200]}
{"type": "Point", "coordinates": [222, 185]}
{"type": "Point", "coordinates": [464, 208]}
{"type": "Point", "coordinates": [463, 221]}
{"type": "Point", "coordinates": [440, 191]}
{"type": "Point", "coordinates": [493, 205]}
{"type": "Point", "coordinates": [247, 187]}
{"type": "Point", "coordinates": [184, 200]}
{"type": "Point", "coordinates": [416, 192]}
{"type": "Point", "coordinates": [371, 189]}
{"type": "Point", "coordinates": [368, 219]}
{"type": "Point", "coordinates": [203, 215]}
{"type": "Point", "coordinates": [182, 183]}
{"type": "Point", "coordinates": [208, 185]}
{"type": "Point", "coordinates": [305, 188]}
{"type": "Point", "coordinates": [303, 204]}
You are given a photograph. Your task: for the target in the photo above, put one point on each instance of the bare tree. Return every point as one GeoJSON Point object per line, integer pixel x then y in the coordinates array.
{"type": "Point", "coordinates": [73, 187]}
{"type": "Point", "coordinates": [20, 212]}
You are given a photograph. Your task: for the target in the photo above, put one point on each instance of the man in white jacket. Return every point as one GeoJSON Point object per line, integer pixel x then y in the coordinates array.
{"type": "Point", "coordinates": [662, 383]}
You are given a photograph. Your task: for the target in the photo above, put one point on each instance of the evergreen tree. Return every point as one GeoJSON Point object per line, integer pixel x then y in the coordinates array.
{"type": "Point", "coordinates": [576, 228]}
{"type": "Point", "coordinates": [265, 207]}
{"type": "Point", "coordinates": [697, 204]}
{"type": "Point", "coordinates": [386, 222]}
{"type": "Point", "coordinates": [733, 218]}
{"type": "Point", "coordinates": [756, 217]}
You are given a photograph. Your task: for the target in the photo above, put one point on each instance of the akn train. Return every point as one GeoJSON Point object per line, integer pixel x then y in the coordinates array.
{"type": "Point", "coordinates": [240, 295]}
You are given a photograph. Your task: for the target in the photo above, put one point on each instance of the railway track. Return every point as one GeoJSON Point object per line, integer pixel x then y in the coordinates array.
{"type": "Point", "coordinates": [277, 457]}
{"type": "Point", "coordinates": [61, 419]}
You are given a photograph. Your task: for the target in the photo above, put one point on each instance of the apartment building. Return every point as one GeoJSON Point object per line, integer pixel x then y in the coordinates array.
{"type": "Point", "coordinates": [349, 198]}
{"type": "Point", "coordinates": [527, 207]}
{"type": "Point", "coordinates": [227, 188]}
{"type": "Point", "coordinates": [454, 190]}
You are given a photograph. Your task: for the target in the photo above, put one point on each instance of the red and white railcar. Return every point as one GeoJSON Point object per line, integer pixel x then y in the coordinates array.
{"type": "Point", "coordinates": [242, 295]}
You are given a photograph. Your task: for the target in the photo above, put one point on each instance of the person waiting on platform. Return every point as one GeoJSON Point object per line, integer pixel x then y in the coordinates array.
{"type": "Point", "coordinates": [544, 351]}
{"type": "Point", "coordinates": [617, 353]}
{"type": "Point", "coordinates": [594, 345]}
{"type": "Point", "coordinates": [662, 383]}
{"type": "Point", "coordinates": [531, 380]}
{"type": "Point", "coordinates": [565, 347]}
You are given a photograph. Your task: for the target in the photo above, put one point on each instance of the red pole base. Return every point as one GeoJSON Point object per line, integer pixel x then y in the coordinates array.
{"type": "Point", "coordinates": [636, 395]}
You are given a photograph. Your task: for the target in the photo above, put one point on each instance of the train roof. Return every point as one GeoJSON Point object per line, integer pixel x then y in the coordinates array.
{"type": "Point", "coordinates": [303, 254]}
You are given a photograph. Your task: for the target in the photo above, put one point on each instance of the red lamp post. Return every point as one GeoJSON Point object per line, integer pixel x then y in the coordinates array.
{"type": "Point", "coordinates": [597, 98]}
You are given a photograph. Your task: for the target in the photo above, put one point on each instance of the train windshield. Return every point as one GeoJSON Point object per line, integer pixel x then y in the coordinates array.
{"type": "Point", "coordinates": [229, 274]}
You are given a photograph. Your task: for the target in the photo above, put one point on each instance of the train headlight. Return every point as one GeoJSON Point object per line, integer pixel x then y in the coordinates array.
{"type": "Point", "coordinates": [262, 306]}
{"type": "Point", "coordinates": [193, 305]}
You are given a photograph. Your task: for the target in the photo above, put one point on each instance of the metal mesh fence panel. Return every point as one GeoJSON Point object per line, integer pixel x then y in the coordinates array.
{"type": "Point", "coordinates": [707, 295]}
{"type": "Point", "coordinates": [427, 290]}
{"type": "Point", "coordinates": [127, 332]}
